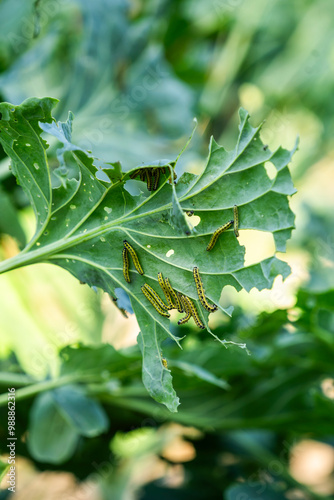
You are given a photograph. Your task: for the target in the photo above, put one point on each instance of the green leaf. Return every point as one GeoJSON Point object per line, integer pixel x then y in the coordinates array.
{"type": "Point", "coordinates": [83, 220]}
{"type": "Point", "coordinates": [156, 377]}
{"type": "Point", "coordinates": [201, 373]}
{"type": "Point", "coordinates": [90, 360]}
{"type": "Point", "coordinates": [86, 415]}
{"type": "Point", "coordinates": [58, 418]}
{"type": "Point", "coordinates": [20, 137]}
{"type": "Point", "coordinates": [51, 437]}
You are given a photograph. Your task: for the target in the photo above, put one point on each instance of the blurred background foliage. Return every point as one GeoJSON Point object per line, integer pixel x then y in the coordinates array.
{"type": "Point", "coordinates": [135, 74]}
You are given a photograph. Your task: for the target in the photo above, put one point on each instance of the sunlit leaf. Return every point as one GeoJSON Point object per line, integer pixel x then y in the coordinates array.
{"type": "Point", "coordinates": [83, 220]}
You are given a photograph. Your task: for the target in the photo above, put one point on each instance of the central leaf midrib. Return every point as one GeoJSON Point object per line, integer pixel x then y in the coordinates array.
{"type": "Point", "coordinates": [69, 242]}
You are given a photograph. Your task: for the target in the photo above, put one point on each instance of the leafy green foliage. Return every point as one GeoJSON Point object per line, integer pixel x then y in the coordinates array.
{"type": "Point", "coordinates": [84, 212]}
{"type": "Point", "coordinates": [275, 394]}
{"type": "Point", "coordinates": [58, 419]}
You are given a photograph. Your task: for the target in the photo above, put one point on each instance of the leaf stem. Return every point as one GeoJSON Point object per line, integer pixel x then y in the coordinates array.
{"type": "Point", "coordinates": [15, 379]}
{"type": "Point", "coordinates": [40, 254]}
{"type": "Point", "coordinates": [45, 385]}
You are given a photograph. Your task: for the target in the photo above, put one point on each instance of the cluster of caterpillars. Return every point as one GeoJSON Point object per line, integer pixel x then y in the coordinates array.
{"type": "Point", "coordinates": [176, 300]}
{"type": "Point", "coordinates": [149, 174]}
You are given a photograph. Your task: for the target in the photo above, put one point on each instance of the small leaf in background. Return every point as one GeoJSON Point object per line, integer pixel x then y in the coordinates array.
{"type": "Point", "coordinates": [90, 360]}
{"type": "Point", "coordinates": [86, 415]}
{"type": "Point", "coordinates": [191, 369]}
{"type": "Point", "coordinates": [52, 438]}
{"type": "Point", "coordinates": [58, 418]}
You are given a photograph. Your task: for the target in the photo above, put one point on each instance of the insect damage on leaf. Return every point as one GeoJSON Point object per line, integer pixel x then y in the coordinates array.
{"type": "Point", "coordinates": [86, 216]}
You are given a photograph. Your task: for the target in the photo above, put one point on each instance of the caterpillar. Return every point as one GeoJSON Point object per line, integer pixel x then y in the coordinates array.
{"type": "Point", "coordinates": [155, 178]}
{"type": "Point", "coordinates": [201, 293]}
{"type": "Point", "coordinates": [217, 232]}
{"type": "Point", "coordinates": [125, 256]}
{"type": "Point", "coordinates": [142, 174]}
{"type": "Point", "coordinates": [186, 309]}
{"type": "Point", "coordinates": [146, 289]}
{"type": "Point", "coordinates": [150, 175]}
{"type": "Point", "coordinates": [161, 282]}
{"type": "Point", "coordinates": [188, 304]}
{"type": "Point", "coordinates": [175, 297]}
{"type": "Point", "coordinates": [148, 179]}
{"type": "Point", "coordinates": [134, 256]}
{"type": "Point", "coordinates": [236, 220]}
{"type": "Point", "coordinates": [134, 174]}
{"type": "Point", "coordinates": [156, 297]}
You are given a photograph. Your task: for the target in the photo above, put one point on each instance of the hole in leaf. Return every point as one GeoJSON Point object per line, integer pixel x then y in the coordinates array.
{"type": "Point", "coordinates": [108, 210]}
{"type": "Point", "coordinates": [133, 187]}
{"type": "Point", "coordinates": [169, 253]}
{"type": "Point", "coordinates": [270, 169]}
{"type": "Point", "coordinates": [195, 220]}
{"type": "Point", "coordinates": [259, 245]}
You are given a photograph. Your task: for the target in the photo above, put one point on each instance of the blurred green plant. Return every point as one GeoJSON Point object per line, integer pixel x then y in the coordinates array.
{"type": "Point", "coordinates": [277, 393]}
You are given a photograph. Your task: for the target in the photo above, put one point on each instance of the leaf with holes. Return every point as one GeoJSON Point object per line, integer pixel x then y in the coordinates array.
{"type": "Point", "coordinates": [85, 210]}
